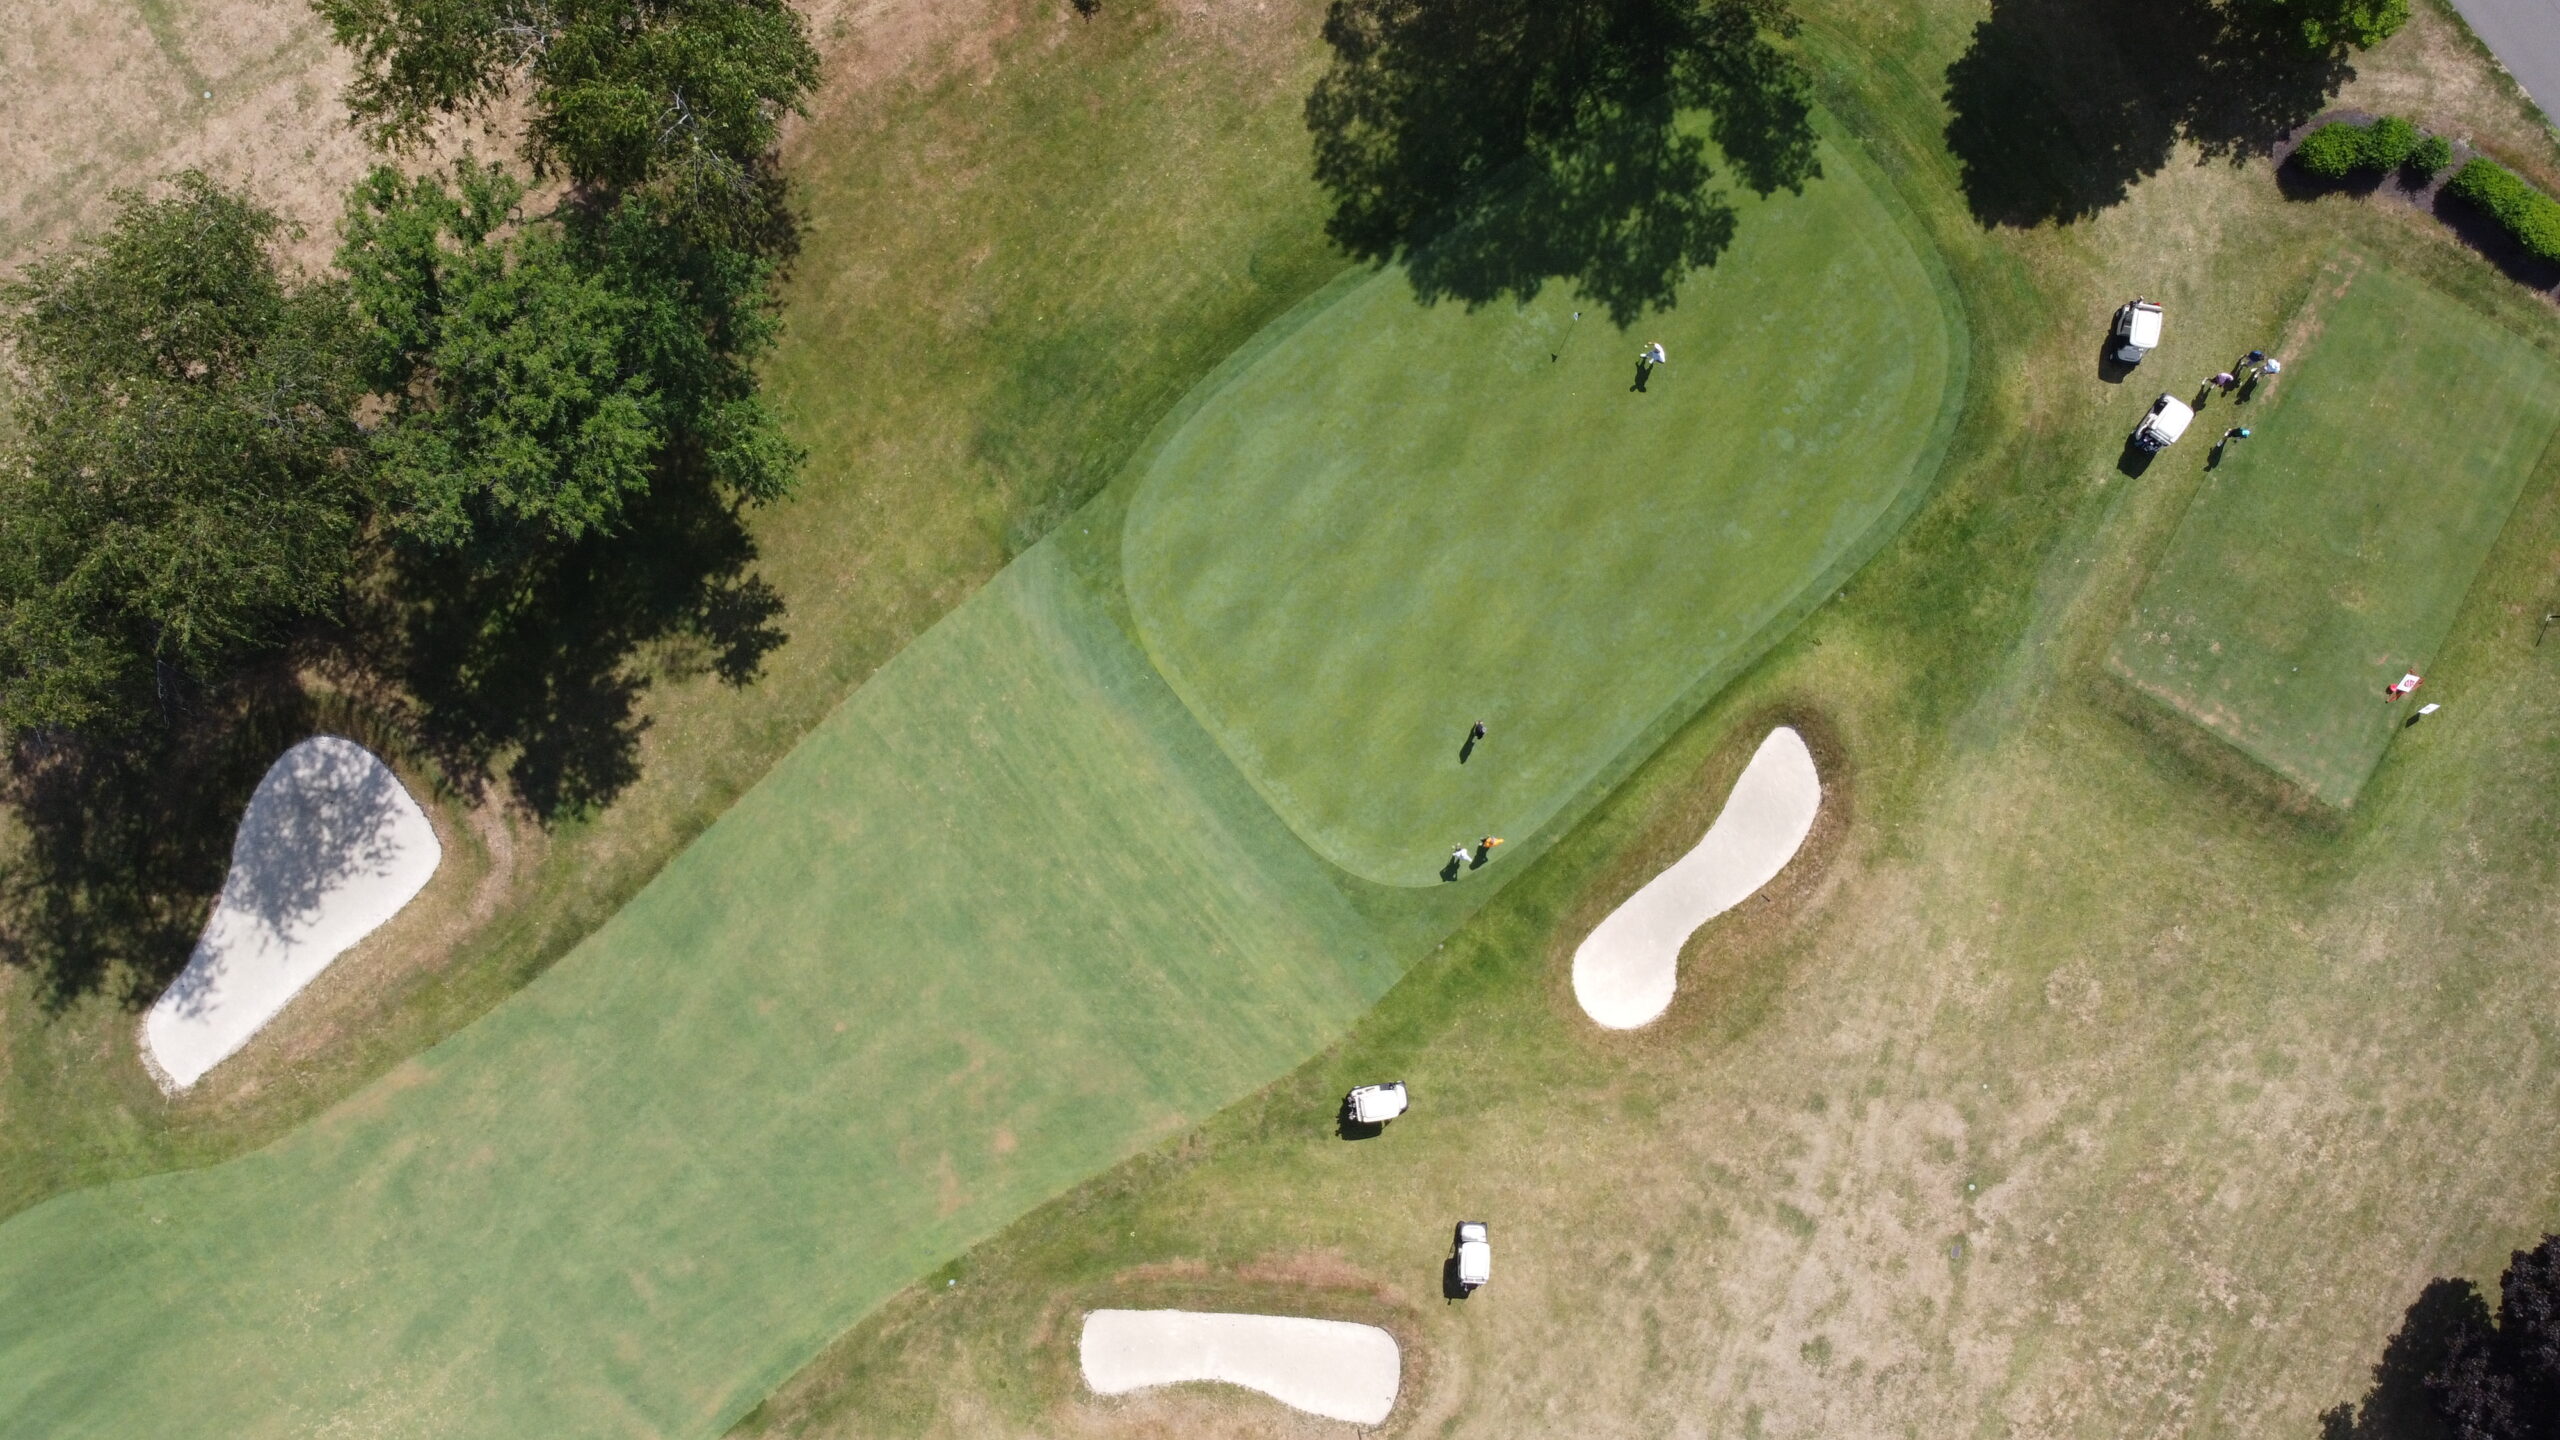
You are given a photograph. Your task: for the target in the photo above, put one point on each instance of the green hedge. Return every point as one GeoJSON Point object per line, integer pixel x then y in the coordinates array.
{"type": "Point", "coordinates": [2339, 148]}
{"type": "Point", "coordinates": [2432, 155]}
{"type": "Point", "coordinates": [2529, 215]}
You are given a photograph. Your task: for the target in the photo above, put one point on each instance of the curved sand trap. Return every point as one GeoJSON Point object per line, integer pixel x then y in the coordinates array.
{"type": "Point", "coordinates": [1626, 969]}
{"type": "Point", "coordinates": [1331, 1368]}
{"type": "Point", "coordinates": [329, 848]}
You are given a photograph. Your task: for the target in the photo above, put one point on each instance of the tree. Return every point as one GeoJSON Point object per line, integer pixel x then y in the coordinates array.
{"type": "Point", "coordinates": [180, 477]}
{"type": "Point", "coordinates": [2332, 26]}
{"type": "Point", "coordinates": [1492, 145]}
{"type": "Point", "coordinates": [541, 373]}
{"type": "Point", "coordinates": [512, 412]}
{"type": "Point", "coordinates": [2454, 1370]}
{"type": "Point", "coordinates": [683, 96]}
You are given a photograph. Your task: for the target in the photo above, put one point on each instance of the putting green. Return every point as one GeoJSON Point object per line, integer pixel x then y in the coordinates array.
{"type": "Point", "coordinates": [2331, 550]}
{"type": "Point", "coordinates": [1007, 916]}
{"type": "Point", "coordinates": [1382, 521]}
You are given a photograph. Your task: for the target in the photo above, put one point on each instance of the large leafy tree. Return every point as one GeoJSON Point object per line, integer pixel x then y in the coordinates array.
{"type": "Point", "coordinates": [180, 478]}
{"type": "Point", "coordinates": [681, 96]}
{"type": "Point", "coordinates": [1493, 145]}
{"type": "Point", "coordinates": [542, 372]}
{"type": "Point", "coordinates": [2332, 26]}
{"type": "Point", "coordinates": [2455, 1370]}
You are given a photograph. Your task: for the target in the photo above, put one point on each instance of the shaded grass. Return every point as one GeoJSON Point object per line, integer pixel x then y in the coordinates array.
{"type": "Point", "coordinates": [2331, 550]}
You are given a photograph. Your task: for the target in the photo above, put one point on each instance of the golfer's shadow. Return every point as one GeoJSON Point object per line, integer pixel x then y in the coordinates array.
{"type": "Point", "coordinates": [1644, 376]}
{"type": "Point", "coordinates": [1457, 866]}
{"type": "Point", "coordinates": [1467, 751]}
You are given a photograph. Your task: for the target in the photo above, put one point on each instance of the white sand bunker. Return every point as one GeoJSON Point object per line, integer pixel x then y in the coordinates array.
{"type": "Point", "coordinates": [330, 848]}
{"type": "Point", "coordinates": [1331, 1368]}
{"type": "Point", "coordinates": [1624, 972]}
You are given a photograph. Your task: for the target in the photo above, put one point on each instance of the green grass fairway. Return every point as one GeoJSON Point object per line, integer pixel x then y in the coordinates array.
{"type": "Point", "coordinates": [2330, 551]}
{"type": "Point", "coordinates": [1381, 522]}
{"type": "Point", "coordinates": [1006, 917]}
{"type": "Point", "coordinates": [1013, 913]}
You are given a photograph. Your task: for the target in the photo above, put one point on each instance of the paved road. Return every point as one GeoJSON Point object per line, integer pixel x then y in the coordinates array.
{"type": "Point", "coordinates": [2526, 35]}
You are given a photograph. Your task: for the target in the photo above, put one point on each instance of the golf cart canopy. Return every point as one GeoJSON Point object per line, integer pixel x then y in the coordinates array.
{"type": "Point", "coordinates": [1475, 1255]}
{"type": "Point", "coordinates": [2169, 419]}
{"type": "Point", "coordinates": [2142, 325]}
{"type": "Point", "coordinates": [1378, 1104]}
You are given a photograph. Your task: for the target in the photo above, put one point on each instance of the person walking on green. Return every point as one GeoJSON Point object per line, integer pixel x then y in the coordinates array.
{"type": "Point", "coordinates": [1650, 356]}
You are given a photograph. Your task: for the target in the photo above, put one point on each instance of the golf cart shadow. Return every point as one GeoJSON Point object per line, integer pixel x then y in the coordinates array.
{"type": "Point", "coordinates": [1451, 1288]}
{"type": "Point", "coordinates": [2135, 459]}
{"type": "Point", "coordinates": [1351, 1127]}
{"type": "Point", "coordinates": [2110, 369]}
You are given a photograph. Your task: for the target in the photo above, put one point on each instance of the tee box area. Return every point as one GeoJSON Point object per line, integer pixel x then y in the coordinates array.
{"type": "Point", "coordinates": [2330, 551]}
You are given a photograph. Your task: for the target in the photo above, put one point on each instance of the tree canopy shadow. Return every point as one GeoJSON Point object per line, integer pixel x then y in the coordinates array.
{"type": "Point", "coordinates": [530, 666]}
{"type": "Point", "coordinates": [533, 665]}
{"type": "Point", "coordinates": [127, 836]}
{"type": "Point", "coordinates": [2453, 1371]}
{"type": "Point", "coordinates": [1495, 145]}
{"type": "Point", "coordinates": [2059, 106]}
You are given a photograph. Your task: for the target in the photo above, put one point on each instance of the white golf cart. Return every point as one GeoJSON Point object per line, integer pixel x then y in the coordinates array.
{"type": "Point", "coordinates": [2137, 330]}
{"type": "Point", "coordinates": [2168, 419]}
{"type": "Point", "coordinates": [1474, 1255]}
{"type": "Point", "coordinates": [1376, 1104]}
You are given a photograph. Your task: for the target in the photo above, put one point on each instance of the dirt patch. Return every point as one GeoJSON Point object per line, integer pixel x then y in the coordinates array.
{"type": "Point", "coordinates": [101, 94]}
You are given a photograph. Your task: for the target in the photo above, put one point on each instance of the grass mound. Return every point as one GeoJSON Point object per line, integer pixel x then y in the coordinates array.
{"type": "Point", "coordinates": [2330, 551]}
{"type": "Point", "coordinates": [1386, 521]}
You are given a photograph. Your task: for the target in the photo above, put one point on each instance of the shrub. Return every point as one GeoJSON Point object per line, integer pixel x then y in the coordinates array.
{"type": "Point", "coordinates": [2432, 155]}
{"type": "Point", "coordinates": [2529, 215]}
{"type": "Point", "coordinates": [2389, 142]}
{"type": "Point", "coordinates": [2339, 148]}
{"type": "Point", "coordinates": [2327, 27]}
{"type": "Point", "coordinates": [2332, 152]}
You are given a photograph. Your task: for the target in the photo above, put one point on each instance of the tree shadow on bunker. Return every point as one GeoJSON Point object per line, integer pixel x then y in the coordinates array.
{"type": "Point", "coordinates": [2058, 107]}
{"type": "Point", "coordinates": [1494, 145]}
{"type": "Point", "coordinates": [127, 836]}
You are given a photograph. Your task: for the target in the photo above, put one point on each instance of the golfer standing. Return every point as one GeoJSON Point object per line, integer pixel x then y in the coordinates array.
{"type": "Point", "coordinates": [1652, 354]}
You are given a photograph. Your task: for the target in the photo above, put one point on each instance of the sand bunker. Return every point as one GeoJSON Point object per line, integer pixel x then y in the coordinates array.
{"type": "Point", "coordinates": [330, 848]}
{"type": "Point", "coordinates": [1624, 972]}
{"type": "Point", "coordinates": [1331, 1368]}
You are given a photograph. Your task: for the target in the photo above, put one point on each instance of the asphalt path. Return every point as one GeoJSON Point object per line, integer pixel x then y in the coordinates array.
{"type": "Point", "coordinates": [2526, 36]}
